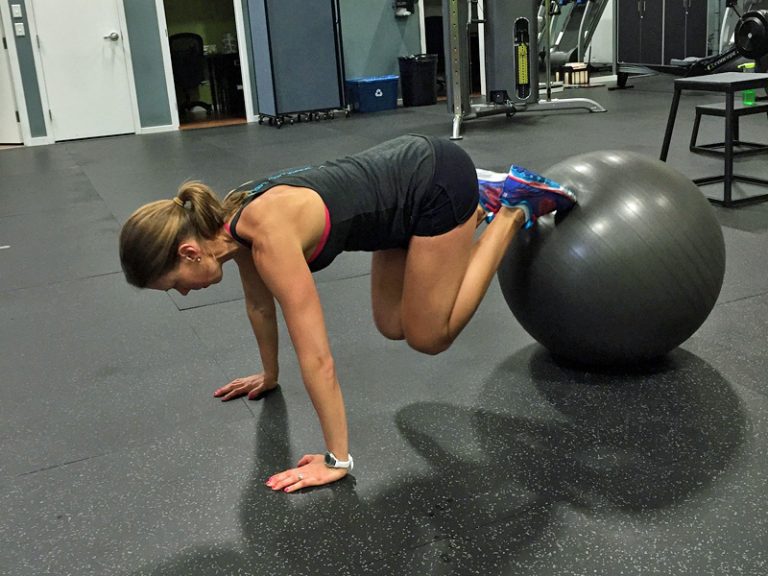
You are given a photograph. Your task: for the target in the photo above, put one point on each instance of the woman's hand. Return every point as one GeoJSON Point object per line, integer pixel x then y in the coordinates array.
{"type": "Point", "coordinates": [255, 386]}
{"type": "Point", "coordinates": [311, 471]}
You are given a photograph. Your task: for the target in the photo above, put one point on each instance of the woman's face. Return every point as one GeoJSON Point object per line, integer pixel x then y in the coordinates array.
{"type": "Point", "coordinates": [196, 270]}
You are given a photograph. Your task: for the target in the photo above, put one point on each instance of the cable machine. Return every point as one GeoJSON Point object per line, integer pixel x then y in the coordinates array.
{"type": "Point", "coordinates": [512, 60]}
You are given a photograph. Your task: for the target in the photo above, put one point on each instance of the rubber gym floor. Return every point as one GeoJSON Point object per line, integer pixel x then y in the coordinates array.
{"type": "Point", "coordinates": [489, 459]}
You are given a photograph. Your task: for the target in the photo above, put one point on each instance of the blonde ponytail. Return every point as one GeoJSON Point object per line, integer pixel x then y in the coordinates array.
{"type": "Point", "coordinates": [150, 238]}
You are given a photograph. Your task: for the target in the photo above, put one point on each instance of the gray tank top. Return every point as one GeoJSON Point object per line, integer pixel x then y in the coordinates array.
{"type": "Point", "coordinates": [373, 197]}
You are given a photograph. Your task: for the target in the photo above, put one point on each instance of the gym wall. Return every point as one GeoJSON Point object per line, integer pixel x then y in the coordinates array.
{"type": "Point", "coordinates": [373, 38]}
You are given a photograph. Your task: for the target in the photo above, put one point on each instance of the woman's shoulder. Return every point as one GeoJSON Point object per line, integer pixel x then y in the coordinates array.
{"type": "Point", "coordinates": [281, 210]}
{"type": "Point", "coordinates": [269, 205]}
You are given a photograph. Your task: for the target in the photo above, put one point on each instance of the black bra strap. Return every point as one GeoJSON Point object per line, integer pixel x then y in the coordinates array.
{"type": "Point", "coordinates": [233, 228]}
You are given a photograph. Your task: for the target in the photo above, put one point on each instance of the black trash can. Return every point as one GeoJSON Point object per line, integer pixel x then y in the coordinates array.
{"type": "Point", "coordinates": [418, 79]}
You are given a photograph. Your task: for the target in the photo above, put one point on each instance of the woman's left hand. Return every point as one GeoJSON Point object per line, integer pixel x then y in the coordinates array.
{"type": "Point", "coordinates": [311, 471]}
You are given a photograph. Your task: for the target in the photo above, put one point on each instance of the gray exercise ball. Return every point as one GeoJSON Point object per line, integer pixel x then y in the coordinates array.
{"type": "Point", "coordinates": [628, 274]}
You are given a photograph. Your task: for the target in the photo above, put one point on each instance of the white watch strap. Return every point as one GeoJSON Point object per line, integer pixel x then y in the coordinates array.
{"type": "Point", "coordinates": [332, 462]}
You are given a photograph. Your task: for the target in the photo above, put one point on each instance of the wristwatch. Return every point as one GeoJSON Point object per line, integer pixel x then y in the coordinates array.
{"type": "Point", "coordinates": [332, 462]}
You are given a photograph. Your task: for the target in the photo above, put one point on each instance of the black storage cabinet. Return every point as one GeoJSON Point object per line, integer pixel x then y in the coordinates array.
{"type": "Point", "coordinates": [297, 56]}
{"type": "Point", "coordinates": [418, 79]}
{"type": "Point", "coordinates": [654, 32]}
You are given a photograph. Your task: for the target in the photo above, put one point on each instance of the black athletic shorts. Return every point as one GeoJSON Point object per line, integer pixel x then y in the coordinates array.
{"type": "Point", "coordinates": [454, 194]}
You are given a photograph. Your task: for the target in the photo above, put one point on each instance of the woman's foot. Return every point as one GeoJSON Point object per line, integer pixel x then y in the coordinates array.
{"type": "Point", "coordinates": [521, 188]}
{"type": "Point", "coordinates": [490, 185]}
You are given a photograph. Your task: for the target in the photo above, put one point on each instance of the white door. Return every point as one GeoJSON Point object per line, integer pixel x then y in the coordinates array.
{"type": "Point", "coordinates": [10, 130]}
{"type": "Point", "coordinates": [83, 57]}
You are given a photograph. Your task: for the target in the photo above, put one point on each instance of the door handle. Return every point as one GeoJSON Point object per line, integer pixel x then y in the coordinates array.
{"type": "Point", "coordinates": [112, 36]}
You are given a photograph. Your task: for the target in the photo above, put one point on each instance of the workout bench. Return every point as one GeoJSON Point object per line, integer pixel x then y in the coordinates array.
{"type": "Point", "coordinates": [731, 84]}
{"type": "Point", "coordinates": [718, 109]}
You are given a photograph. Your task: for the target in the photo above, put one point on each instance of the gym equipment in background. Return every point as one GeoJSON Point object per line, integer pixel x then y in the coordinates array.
{"type": "Point", "coordinates": [652, 32]}
{"type": "Point", "coordinates": [736, 48]}
{"type": "Point", "coordinates": [747, 42]}
{"type": "Point", "coordinates": [297, 59]}
{"type": "Point", "coordinates": [512, 61]}
{"type": "Point", "coordinates": [628, 274]}
{"type": "Point", "coordinates": [751, 35]}
{"type": "Point", "coordinates": [573, 25]}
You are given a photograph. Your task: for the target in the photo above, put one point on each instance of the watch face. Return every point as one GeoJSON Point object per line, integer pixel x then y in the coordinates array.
{"type": "Point", "coordinates": [329, 459]}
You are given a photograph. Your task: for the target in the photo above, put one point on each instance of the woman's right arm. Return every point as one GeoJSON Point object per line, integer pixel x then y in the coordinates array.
{"type": "Point", "coordinates": [260, 307]}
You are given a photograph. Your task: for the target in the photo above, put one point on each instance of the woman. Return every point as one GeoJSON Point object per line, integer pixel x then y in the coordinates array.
{"type": "Point", "coordinates": [412, 201]}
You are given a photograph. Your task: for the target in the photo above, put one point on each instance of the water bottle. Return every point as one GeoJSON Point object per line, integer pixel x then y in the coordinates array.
{"type": "Point", "coordinates": [748, 96]}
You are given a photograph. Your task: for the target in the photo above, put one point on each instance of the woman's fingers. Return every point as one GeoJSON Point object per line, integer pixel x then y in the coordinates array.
{"type": "Point", "coordinates": [221, 391]}
{"type": "Point", "coordinates": [251, 386]}
{"type": "Point", "coordinates": [312, 473]}
{"type": "Point", "coordinates": [288, 481]}
{"type": "Point", "coordinates": [234, 393]}
{"type": "Point", "coordinates": [232, 390]}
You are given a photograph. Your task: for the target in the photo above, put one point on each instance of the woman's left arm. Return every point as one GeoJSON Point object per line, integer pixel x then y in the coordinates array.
{"type": "Point", "coordinates": [280, 262]}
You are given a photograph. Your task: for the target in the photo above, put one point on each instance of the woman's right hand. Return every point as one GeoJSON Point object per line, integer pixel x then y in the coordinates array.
{"type": "Point", "coordinates": [254, 386]}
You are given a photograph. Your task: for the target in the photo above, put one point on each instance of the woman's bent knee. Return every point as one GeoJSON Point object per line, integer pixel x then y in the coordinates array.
{"type": "Point", "coordinates": [431, 345]}
{"type": "Point", "coordinates": [391, 330]}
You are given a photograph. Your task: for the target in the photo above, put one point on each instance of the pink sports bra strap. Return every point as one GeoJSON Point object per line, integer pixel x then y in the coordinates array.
{"type": "Point", "coordinates": [323, 238]}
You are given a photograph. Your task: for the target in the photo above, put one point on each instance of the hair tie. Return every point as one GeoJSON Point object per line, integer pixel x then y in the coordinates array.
{"type": "Point", "coordinates": [177, 201]}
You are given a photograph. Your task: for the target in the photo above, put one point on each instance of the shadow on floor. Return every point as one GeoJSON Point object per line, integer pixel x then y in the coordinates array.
{"type": "Point", "coordinates": [628, 443]}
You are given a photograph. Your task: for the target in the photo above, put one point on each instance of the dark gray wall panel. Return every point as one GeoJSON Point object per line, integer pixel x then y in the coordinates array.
{"type": "Point", "coordinates": [295, 54]}
{"type": "Point", "coordinates": [29, 76]}
{"type": "Point", "coordinates": [304, 54]}
{"type": "Point", "coordinates": [261, 57]}
{"type": "Point", "coordinates": [147, 58]}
